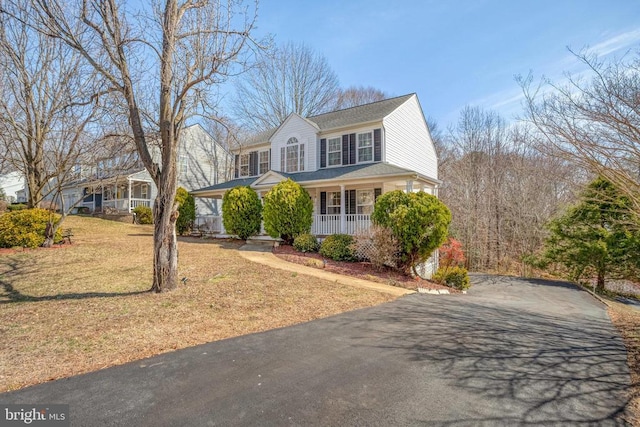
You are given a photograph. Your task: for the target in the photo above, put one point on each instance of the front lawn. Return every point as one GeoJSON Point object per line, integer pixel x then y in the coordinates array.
{"type": "Point", "coordinates": [82, 307]}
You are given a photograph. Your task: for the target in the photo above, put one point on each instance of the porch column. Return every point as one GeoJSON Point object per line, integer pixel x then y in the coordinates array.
{"type": "Point", "coordinates": [129, 193]}
{"type": "Point", "coordinates": [409, 186]}
{"type": "Point", "coordinates": [343, 216]}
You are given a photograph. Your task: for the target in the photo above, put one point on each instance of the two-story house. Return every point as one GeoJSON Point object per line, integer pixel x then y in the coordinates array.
{"type": "Point", "coordinates": [118, 181]}
{"type": "Point", "coordinates": [344, 159]}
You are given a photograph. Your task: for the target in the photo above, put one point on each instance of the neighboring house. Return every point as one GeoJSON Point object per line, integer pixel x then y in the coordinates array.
{"type": "Point", "coordinates": [120, 182]}
{"type": "Point", "coordinates": [345, 159]}
{"type": "Point", "coordinates": [11, 183]}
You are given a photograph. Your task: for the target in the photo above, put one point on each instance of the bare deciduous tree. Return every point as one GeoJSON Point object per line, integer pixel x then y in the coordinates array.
{"type": "Point", "coordinates": [499, 190]}
{"type": "Point", "coordinates": [358, 95]}
{"type": "Point", "coordinates": [290, 79]}
{"type": "Point", "coordinates": [595, 124]}
{"type": "Point", "coordinates": [45, 107]}
{"type": "Point", "coordinates": [177, 53]}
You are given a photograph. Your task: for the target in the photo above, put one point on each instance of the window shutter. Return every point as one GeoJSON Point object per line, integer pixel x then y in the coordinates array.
{"type": "Point", "coordinates": [282, 160]}
{"type": "Point", "coordinates": [253, 163]}
{"type": "Point", "coordinates": [377, 145]}
{"type": "Point", "coordinates": [323, 202]}
{"type": "Point", "coordinates": [345, 149]}
{"type": "Point", "coordinates": [236, 170]}
{"type": "Point", "coordinates": [352, 149]}
{"type": "Point", "coordinates": [323, 153]}
{"type": "Point", "coordinates": [377, 192]}
{"type": "Point", "coordinates": [351, 206]}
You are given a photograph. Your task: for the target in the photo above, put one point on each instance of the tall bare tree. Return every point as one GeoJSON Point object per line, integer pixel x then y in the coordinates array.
{"type": "Point", "coordinates": [290, 79]}
{"type": "Point", "coordinates": [358, 95]}
{"type": "Point", "coordinates": [499, 190]}
{"type": "Point", "coordinates": [47, 102]}
{"type": "Point", "coordinates": [593, 123]}
{"type": "Point", "coordinates": [177, 50]}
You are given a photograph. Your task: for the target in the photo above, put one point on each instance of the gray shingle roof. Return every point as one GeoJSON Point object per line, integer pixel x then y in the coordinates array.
{"type": "Point", "coordinates": [226, 185]}
{"type": "Point", "coordinates": [369, 170]}
{"type": "Point", "coordinates": [340, 118]}
{"type": "Point", "coordinates": [360, 114]}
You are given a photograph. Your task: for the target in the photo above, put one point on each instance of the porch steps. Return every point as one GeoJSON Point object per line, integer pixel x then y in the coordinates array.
{"type": "Point", "coordinates": [266, 241]}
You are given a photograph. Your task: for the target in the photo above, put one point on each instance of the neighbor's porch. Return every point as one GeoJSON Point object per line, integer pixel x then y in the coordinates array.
{"type": "Point", "coordinates": [120, 196]}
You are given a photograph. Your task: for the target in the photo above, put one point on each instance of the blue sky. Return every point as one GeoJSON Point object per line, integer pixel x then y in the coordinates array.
{"type": "Point", "coordinates": [453, 53]}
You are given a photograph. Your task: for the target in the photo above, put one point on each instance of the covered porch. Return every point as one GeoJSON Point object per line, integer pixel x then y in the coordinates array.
{"type": "Point", "coordinates": [342, 202]}
{"type": "Point", "coordinates": [122, 195]}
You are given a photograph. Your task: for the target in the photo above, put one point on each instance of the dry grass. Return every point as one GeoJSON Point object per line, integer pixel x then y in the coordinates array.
{"type": "Point", "coordinates": [84, 306]}
{"type": "Point", "coordinates": [627, 320]}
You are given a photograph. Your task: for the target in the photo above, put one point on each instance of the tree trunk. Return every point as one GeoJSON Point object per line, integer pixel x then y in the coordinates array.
{"type": "Point", "coordinates": [600, 283]}
{"type": "Point", "coordinates": [165, 245]}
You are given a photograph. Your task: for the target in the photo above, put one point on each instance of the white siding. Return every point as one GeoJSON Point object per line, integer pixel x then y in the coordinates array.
{"type": "Point", "coordinates": [407, 142]}
{"type": "Point", "coordinates": [207, 164]}
{"type": "Point", "coordinates": [295, 126]}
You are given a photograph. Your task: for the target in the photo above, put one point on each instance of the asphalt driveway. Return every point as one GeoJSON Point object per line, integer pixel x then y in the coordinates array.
{"type": "Point", "coordinates": [511, 352]}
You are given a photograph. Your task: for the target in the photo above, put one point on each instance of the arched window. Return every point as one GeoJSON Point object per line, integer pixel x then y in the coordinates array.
{"type": "Point", "coordinates": [292, 156]}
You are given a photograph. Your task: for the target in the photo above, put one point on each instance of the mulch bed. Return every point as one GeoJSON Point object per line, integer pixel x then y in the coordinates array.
{"type": "Point", "coordinates": [361, 270]}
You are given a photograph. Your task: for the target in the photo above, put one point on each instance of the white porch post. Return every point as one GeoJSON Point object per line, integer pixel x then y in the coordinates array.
{"type": "Point", "coordinates": [343, 216]}
{"type": "Point", "coordinates": [129, 193]}
{"type": "Point", "coordinates": [409, 186]}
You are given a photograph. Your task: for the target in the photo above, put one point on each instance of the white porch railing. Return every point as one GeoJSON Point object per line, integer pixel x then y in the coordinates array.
{"type": "Point", "coordinates": [324, 225]}
{"type": "Point", "coordinates": [140, 202]}
{"type": "Point", "coordinates": [123, 204]}
{"type": "Point", "coordinates": [356, 223]}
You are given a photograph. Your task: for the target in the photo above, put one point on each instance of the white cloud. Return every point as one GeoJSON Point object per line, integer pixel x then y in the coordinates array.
{"type": "Point", "coordinates": [616, 43]}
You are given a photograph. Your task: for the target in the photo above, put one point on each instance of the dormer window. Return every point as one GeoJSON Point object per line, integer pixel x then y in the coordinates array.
{"type": "Point", "coordinates": [292, 156]}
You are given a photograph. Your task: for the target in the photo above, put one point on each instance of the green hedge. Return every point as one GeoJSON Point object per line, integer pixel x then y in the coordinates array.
{"type": "Point", "coordinates": [456, 277]}
{"type": "Point", "coordinates": [26, 228]}
{"type": "Point", "coordinates": [306, 243]}
{"type": "Point", "coordinates": [288, 211]}
{"type": "Point", "coordinates": [241, 212]}
{"type": "Point", "coordinates": [419, 221]}
{"type": "Point", "coordinates": [144, 214]}
{"type": "Point", "coordinates": [338, 247]}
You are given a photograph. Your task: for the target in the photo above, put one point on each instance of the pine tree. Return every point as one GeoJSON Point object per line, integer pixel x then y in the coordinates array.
{"type": "Point", "coordinates": [598, 236]}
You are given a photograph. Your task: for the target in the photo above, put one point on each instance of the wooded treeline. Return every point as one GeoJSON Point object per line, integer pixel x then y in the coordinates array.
{"type": "Point", "coordinates": [505, 182]}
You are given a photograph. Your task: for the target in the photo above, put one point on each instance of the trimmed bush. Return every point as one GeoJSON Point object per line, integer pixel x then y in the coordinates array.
{"type": "Point", "coordinates": [26, 228]}
{"type": "Point", "coordinates": [456, 277]}
{"type": "Point", "coordinates": [338, 247]}
{"type": "Point", "coordinates": [144, 214]}
{"type": "Point", "coordinates": [241, 212]}
{"type": "Point", "coordinates": [288, 211]}
{"type": "Point", "coordinates": [16, 207]}
{"type": "Point", "coordinates": [419, 221]}
{"type": "Point", "coordinates": [306, 243]}
{"type": "Point", "coordinates": [186, 210]}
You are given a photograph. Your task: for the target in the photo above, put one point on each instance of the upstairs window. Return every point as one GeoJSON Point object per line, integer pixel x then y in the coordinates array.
{"type": "Point", "coordinates": [292, 156]}
{"type": "Point", "coordinates": [264, 162]}
{"type": "Point", "coordinates": [334, 151]}
{"type": "Point", "coordinates": [182, 164]}
{"type": "Point", "coordinates": [244, 164]}
{"type": "Point", "coordinates": [365, 147]}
